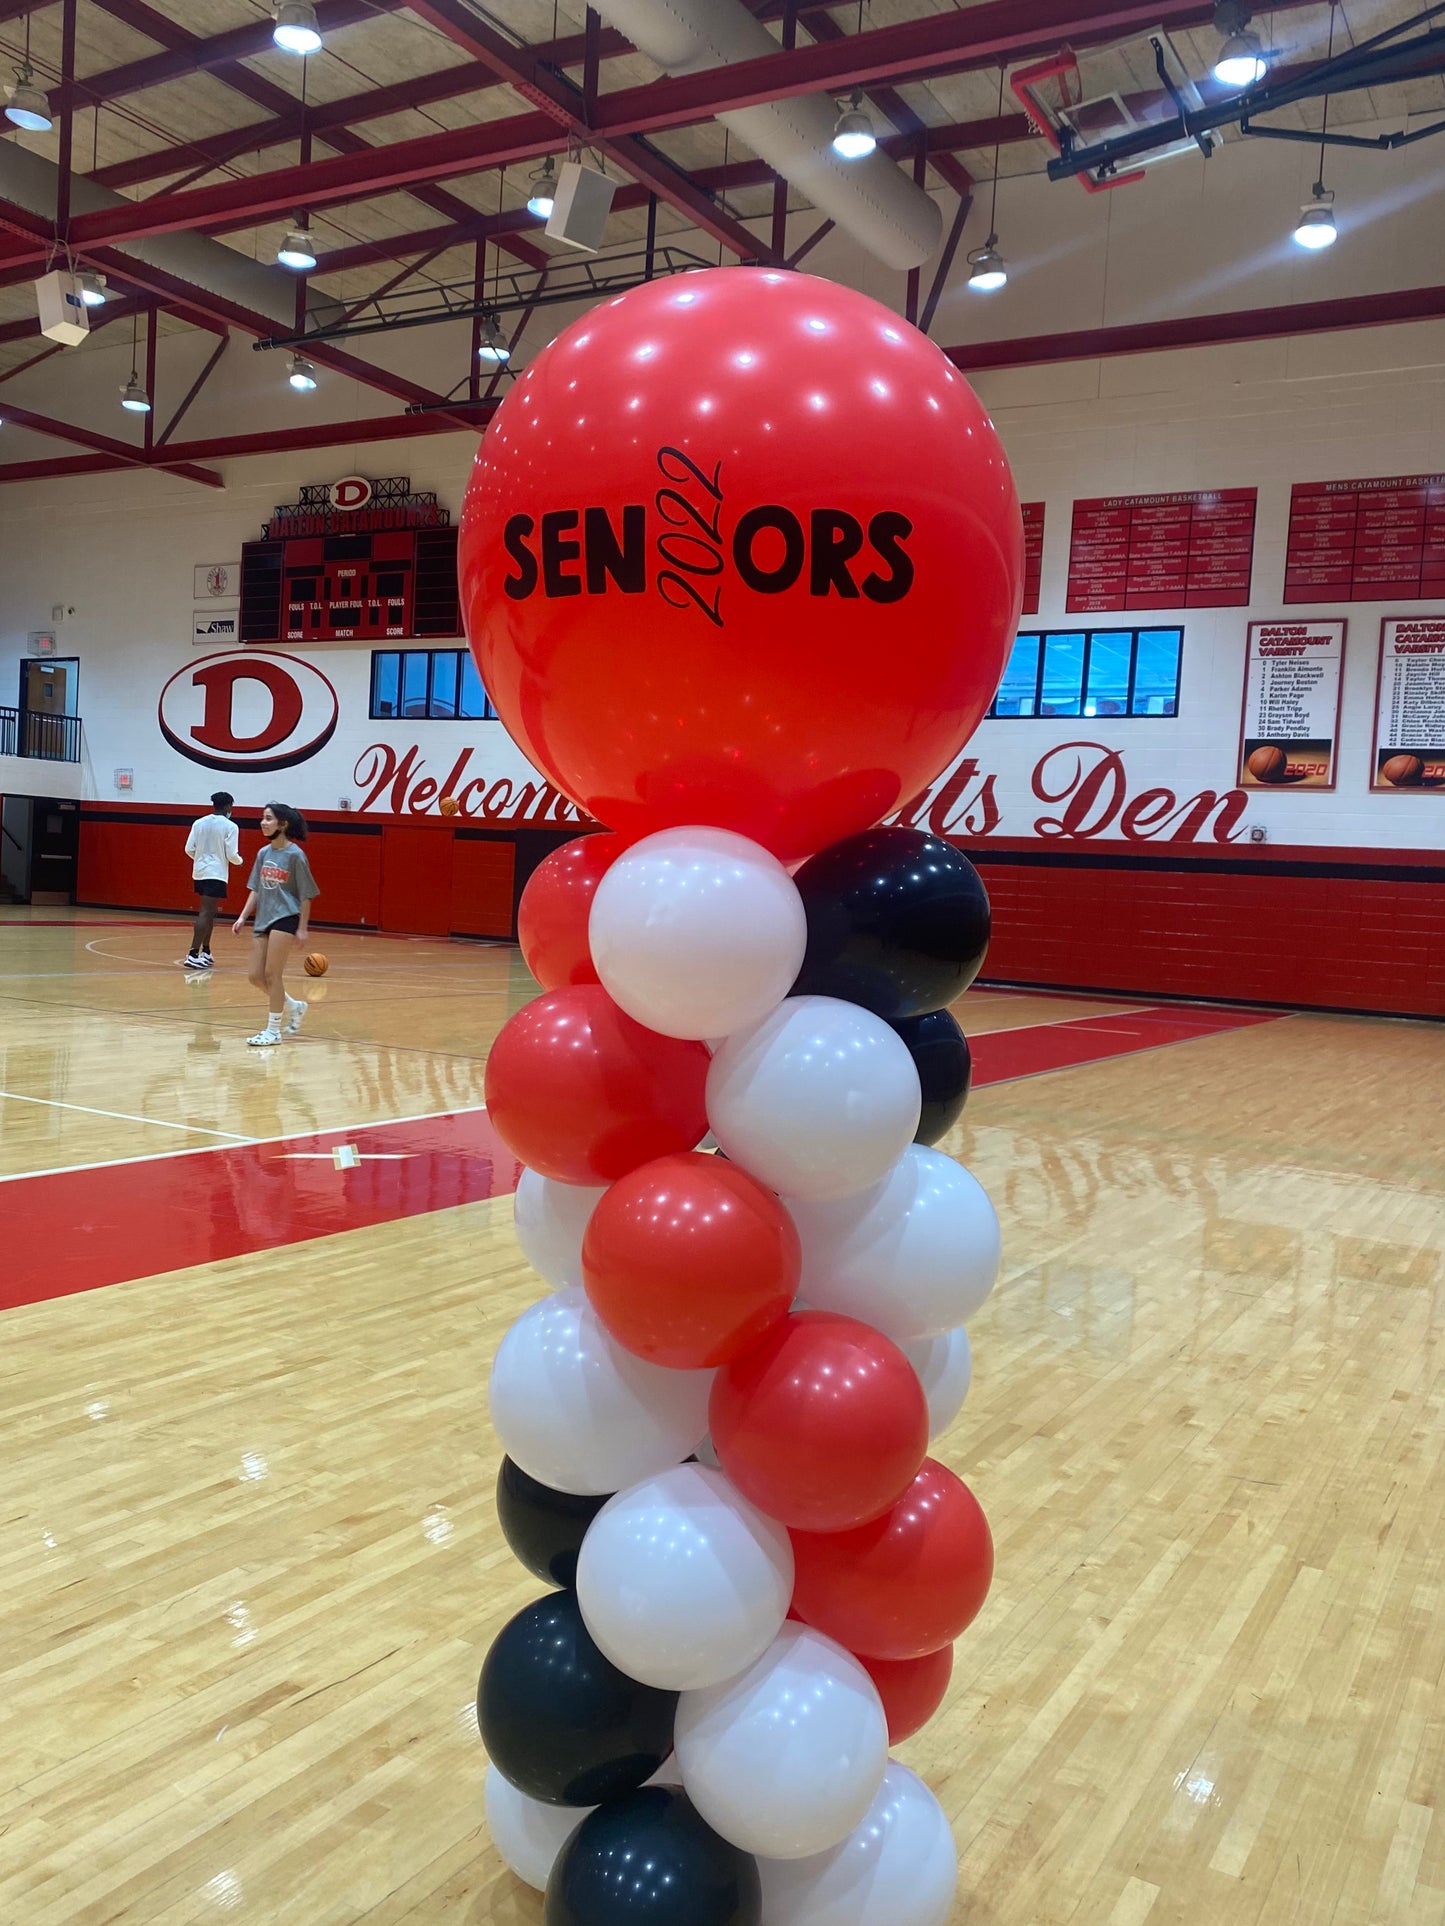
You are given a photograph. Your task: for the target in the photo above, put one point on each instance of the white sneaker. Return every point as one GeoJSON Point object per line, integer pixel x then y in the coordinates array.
{"type": "Point", "coordinates": [264, 1038]}
{"type": "Point", "coordinates": [296, 1008]}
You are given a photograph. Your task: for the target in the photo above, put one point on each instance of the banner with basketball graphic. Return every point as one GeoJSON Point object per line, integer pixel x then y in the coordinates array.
{"type": "Point", "coordinates": [1291, 724]}
{"type": "Point", "coordinates": [1409, 751]}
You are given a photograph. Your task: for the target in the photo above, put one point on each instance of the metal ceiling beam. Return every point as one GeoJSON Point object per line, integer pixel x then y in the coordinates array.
{"type": "Point", "coordinates": [939, 43]}
{"type": "Point", "coordinates": [118, 451]}
{"type": "Point", "coordinates": [1205, 330]}
{"type": "Point", "coordinates": [171, 291]}
{"type": "Point", "coordinates": [195, 53]}
{"type": "Point", "coordinates": [277, 441]}
{"type": "Point", "coordinates": [535, 81]}
{"type": "Point", "coordinates": [377, 103]}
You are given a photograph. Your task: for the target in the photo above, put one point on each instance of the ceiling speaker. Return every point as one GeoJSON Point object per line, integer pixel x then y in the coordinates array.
{"type": "Point", "coordinates": [580, 206]}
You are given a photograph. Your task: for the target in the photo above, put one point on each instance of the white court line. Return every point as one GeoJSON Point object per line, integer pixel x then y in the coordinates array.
{"type": "Point", "coordinates": [210, 1150]}
{"type": "Point", "coordinates": [124, 1116]}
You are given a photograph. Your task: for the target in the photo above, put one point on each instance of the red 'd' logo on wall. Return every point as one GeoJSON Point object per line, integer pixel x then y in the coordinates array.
{"type": "Point", "coordinates": [255, 710]}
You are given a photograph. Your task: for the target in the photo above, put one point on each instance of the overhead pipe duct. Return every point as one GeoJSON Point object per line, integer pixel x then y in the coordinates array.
{"type": "Point", "coordinates": [871, 199]}
{"type": "Point", "coordinates": [31, 181]}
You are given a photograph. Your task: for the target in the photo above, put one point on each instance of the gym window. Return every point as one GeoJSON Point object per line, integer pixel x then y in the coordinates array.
{"type": "Point", "coordinates": [1092, 672]}
{"type": "Point", "coordinates": [440, 685]}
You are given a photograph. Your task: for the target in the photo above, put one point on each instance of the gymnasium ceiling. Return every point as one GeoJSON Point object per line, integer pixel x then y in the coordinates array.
{"type": "Point", "coordinates": [187, 103]}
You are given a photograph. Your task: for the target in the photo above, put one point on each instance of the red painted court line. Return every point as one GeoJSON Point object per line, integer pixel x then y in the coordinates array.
{"type": "Point", "coordinates": [79, 1230]}
{"type": "Point", "coordinates": [1009, 1054]}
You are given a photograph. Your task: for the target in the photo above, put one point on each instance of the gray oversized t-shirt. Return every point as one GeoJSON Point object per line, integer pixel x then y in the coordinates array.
{"type": "Point", "coordinates": [282, 881]}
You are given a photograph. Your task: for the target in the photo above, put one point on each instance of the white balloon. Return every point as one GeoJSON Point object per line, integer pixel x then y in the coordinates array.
{"type": "Point", "coordinates": [818, 1099]}
{"type": "Point", "coordinates": [682, 1582]}
{"type": "Point", "coordinates": [551, 1219]}
{"type": "Point", "coordinates": [575, 1410]}
{"type": "Point", "coordinates": [899, 1867]}
{"type": "Point", "coordinates": [528, 1834]}
{"type": "Point", "coordinates": [945, 1370]}
{"type": "Point", "coordinates": [697, 931]}
{"type": "Point", "coordinates": [913, 1256]}
{"type": "Point", "coordinates": [785, 1759]}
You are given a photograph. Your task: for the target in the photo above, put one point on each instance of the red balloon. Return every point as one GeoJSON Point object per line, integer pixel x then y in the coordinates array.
{"type": "Point", "coordinates": [822, 1423]}
{"type": "Point", "coordinates": [580, 1092]}
{"type": "Point", "coordinates": [905, 1584]}
{"type": "Point", "coordinates": [911, 1689]}
{"type": "Point", "coordinates": [688, 1261]}
{"type": "Point", "coordinates": [706, 516]}
{"type": "Point", "coordinates": [556, 903]}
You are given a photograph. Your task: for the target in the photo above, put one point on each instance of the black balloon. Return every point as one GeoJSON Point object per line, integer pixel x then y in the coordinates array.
{"type": "Point", "coordinates": [898, 921]}
{"type": "Point", "coordinates": [650, 1860]}
{"type": "Point", "coordinates": [939, 1050]}
{"type": "Point", "coordinates": [558, 1719]}
{"type": "Point", "coordinates": [545, 1528]}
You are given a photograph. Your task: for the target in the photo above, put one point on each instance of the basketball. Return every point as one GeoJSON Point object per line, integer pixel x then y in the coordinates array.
{"type": "Point", "coordinates": [1268, 763]}
{"type": "Point", "coordinates": [449, 806]}
{"type": "Point", "coordinates": [1405, 772]}
{"type": "Point", "coordinates": [316, 964]}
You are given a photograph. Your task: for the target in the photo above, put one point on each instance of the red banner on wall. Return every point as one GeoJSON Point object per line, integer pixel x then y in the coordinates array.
{"type": "Point", "coordinates": [1366, 541]}
{"type": "Point", "coordinates": [1183, 551]}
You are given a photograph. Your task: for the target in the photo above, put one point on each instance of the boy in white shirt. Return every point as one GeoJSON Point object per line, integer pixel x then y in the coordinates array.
{"type": "Point", "coordinates": [214, 846]}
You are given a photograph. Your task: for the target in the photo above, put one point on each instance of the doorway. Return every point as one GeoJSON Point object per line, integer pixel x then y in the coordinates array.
{"type": "Point", "coordinates": [49, 706]}
{"type": "Point", "coordinates": [39, 848]}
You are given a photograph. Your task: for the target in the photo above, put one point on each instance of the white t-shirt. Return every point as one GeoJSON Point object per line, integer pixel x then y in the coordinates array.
{"type": "Point", "coordinates": [214, 842]}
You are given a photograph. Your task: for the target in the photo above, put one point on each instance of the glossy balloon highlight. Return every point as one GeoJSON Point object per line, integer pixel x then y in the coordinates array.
{"type": "Point", "coordinates": [822, 1424]}
{"type": "Point", "coordinates": [650, 1859]}
{"type": "Point", "coordinates": [906, 1583]}
{"type": "Point", "coordinates": [898, 920]}
{"type": "Point", "coordinates": [560, 1721]}
{"type": "Point", "coordinates": [580, 1092]}
{"type": "Point", "coordinates": [741, 548]}
{"type": "Point", "coordinates": [688, 1260]}
{"type": "Point", "coordinates": [543, 1527]}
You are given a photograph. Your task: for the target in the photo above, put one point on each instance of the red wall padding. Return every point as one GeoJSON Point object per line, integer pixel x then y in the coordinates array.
{"type": "Point", "coordinates": [1329, 929]}
{"type": "Point", "coordinates": [483, 882]}
{"type": "Point", "coordinates": [1344, 929]}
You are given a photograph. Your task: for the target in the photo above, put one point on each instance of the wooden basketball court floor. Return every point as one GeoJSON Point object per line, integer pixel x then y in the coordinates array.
{"type": "Point", "coordinates": [248, 1561]}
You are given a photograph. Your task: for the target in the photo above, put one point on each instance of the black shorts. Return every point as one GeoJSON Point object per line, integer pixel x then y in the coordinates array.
{"type": "Point", "coordinates": [284, 926]}
{"type": "Point", "coordinates": [205, 888]}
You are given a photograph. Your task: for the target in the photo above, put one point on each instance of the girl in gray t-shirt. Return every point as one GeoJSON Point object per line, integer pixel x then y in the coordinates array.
{"type": "Point", "coordinates": [282, 889]}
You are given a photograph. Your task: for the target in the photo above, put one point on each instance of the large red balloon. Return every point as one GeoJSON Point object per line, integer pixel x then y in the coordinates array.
{"type": "Point", "coordinates": [822, 1423]}
{"type": "Point", "coordinates": [553, 913]}
{"type": "Point", "coordinates": [905, 1584]}
{"type": "Point", "coordinates": [581, 1092]}
{"type": "Point", "coordinates": [911, 1689]}
{"type": "Point", "coordinates": [688, 1261]}
{"type": "Point", "coordinates": [741, 547]}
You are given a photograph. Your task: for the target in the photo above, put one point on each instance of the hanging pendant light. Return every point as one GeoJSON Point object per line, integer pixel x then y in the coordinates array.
{"type": "Point", "coordinates": [543, 196]}
{"type": "Point", "coordinates": [493, 346]}
{"type": "Point", "coordinates": [297, 30]}
{"type": "Point", "coordinates": [987, 270]}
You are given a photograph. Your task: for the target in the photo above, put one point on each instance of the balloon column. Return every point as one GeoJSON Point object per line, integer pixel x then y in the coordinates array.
{"type": "Point", "coordinates": [741, 557]}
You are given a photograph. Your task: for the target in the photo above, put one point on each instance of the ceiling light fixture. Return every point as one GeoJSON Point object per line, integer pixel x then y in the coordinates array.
{"type": "Point", "coordinates": [1241, 61]}
{"type": "Point", "coordinates": [296, 30]}
{"type": "Point", "coordinates": [303, 375]}
{"type": "Point", "coordinates": [853, 133]}
{"type": "Point", "coordinates": [92, 289]}
{"type": "Point", "coordinates": [544, 190]}
{"type": "Point", "coordinates": [987, 271]}
{"type": "Point", "coordinates": [1315, 227]}
{"type": "Point", "coordinates": [133, 397]}
{"type": "Point", "coordinates": [26, 106]}
{"type": "Point", "coordinates": [493, 346]}
{"type": "Point", "coordinates": [296, 250]}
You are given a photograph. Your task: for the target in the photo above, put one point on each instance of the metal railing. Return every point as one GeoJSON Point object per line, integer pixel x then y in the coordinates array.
{"type": "Point", "coordinates": [45, 738]}
{"type": "Point", "coordinates": [9, 732]}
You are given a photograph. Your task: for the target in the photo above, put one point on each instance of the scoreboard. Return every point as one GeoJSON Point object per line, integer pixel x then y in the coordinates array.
{"type": "Point", "coordinates": [384, 571]}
